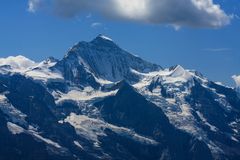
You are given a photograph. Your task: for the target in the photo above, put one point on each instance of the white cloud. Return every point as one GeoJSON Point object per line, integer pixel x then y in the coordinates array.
{"type": "Point", "coordinates": [194, 13]}
{"type": "Point", "coordinates": [217, 49]}
{"type": "Point", "coordinates": [237, 80]}
{"type": "Point", "coordinates": [33, 5]}
{"type": "Point", "coordinates": [96, 24]}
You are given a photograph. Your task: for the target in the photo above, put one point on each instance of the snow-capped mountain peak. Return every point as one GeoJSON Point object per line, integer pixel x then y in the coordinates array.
{"type": "Point", "coordinates": [17, 63]}
{"type": "Point", "coordinates": [179, 71]}
{"type": "Point", "coordinates": [102, 58]}
{"type": "Point", "coordinates": [102, 41]}
{"type": "Point", "coordinates": [104, 37]}
{"type": "Point", "coordinates": [47, 63]}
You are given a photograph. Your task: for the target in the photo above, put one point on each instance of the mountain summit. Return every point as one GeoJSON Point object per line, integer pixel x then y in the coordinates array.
{"type": "Point", "coordinates": [101, 37]}
{"type": "Point", "coordinates": [102, 102]}
{"type": "Point", "coordinates": [104, 59]}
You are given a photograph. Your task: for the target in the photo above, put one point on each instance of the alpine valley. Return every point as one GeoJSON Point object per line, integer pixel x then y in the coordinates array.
{"type": "Point", "coordinates": [101, 102]}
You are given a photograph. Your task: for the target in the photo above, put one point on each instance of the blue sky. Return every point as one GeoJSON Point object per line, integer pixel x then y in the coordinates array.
{"type": "Point", "coordinates": [215, 52]}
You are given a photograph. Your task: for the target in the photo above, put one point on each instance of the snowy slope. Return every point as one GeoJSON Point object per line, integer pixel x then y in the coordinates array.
{"type": "Point", "coordinates": [42, 71]}
{"type": "Point", "coordinates": [171, 88]}
{"type": "Point", "coordinates": [16, 64]}
{"type": "Point", "coordinates": [22, 65]}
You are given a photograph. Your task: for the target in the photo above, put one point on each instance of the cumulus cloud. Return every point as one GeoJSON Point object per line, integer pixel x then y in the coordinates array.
{"type": "Point", "coordinates": [194, 13]}
{"type": "Point", "coordinates": [237, 80]}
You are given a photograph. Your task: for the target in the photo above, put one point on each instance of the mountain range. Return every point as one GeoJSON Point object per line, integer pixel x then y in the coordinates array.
{"type": "Point", "coordinates": [102, 102]}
